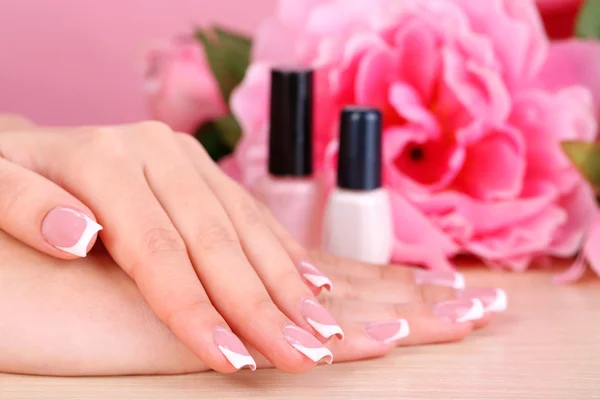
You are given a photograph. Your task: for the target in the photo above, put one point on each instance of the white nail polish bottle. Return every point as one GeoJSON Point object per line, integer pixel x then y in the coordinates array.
{"type": "Point", "coordinates": [358, 218]}
{"type": "Point", "coordinates": [289, 189]}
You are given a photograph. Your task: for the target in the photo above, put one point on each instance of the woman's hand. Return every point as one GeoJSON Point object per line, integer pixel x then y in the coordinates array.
{"type": "Point", "coordinates": [197, 246]}
{"type": "Point", "coordinates": [86, 317]}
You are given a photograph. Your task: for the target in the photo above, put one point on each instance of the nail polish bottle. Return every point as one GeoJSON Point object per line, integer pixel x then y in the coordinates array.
{"type": "Point", "coordinates": [289, 190]}
{"type": "Point", "coordinates": [358, 220]}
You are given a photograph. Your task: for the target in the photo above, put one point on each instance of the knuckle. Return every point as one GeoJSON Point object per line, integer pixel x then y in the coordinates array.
{"type": "Point", "coordinates": [398, 309]}
{"type": "Point", "coordinates": [261, 306]}
{"type": "Point", "coordinates": [154, 129]}
{"type": "Point", "coordinates": [11, 198]}
{"type": "Point", "coordinates": [160, 240]}
{"type": "Point", "coordinates": [216, 237]}
{"type": "Point", "coordinates": [330, 304]}
{"type": "Point", "coordinates": [186, 139]}
{"type": "Point", "coordinates": [247, 211]}
{"type": "Point", "coordinates": [382, 273]}
{"type": "Point", "coordinates": [107, 142]}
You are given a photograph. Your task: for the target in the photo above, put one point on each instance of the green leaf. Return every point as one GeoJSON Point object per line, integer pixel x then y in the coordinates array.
{"type": "Point", "coordinates": [586, 158]}
{"type": "Point", "coordinates": [237, 51]}
{"type": "Point", "coordinates": [229, 129]}
{"type": "Point", "coordinates": [210, 137]}
{"type": "Point", "coordinates": [238, 40]}
{"type": "Point", "coordinates": [588, 21]}
{"type": "Point", "coordinates": [219, 65]}
{"type": "Point", "coordinates": [228, 55]}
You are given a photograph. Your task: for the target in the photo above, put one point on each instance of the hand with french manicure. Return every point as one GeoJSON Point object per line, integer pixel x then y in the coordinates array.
{"type": "Point", "coordinates": [196, 244]}
{"type": "Point", "coordinates": [86, 317]}
{"type": "Point", "coordinates": [212, 264]}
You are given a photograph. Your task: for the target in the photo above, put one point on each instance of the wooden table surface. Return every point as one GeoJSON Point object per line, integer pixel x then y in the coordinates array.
{"type": "Point", "coordinates": [546, 346]}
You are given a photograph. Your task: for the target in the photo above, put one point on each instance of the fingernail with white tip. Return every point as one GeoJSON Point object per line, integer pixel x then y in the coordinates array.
{"type": "Point", "coordinates": [457, 311]}
{"type": "Point", "coordinates": [494, 299]}
{"type": "Point", "coordinates": [388, 331]}
{"type": "Point", "coordinates": [307, 344]}
{"type": "Point", "coordinates": [315, 277]}
{"type": "Point", "coordinates": [440, 278]}
{"type": "Point", "coordinates": [320, 319]}
{"type": "Point", "coordinates": [233, 349]}
{"type": "Point", "coordinates": [69, 230]}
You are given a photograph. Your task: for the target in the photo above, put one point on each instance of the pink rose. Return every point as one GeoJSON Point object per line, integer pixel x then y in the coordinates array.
{"type": "Point", "coordinates": [471, 131]}
{"type": "Point", "coordinates": [559, 16]}
{"type": "Point", "coordinates": [180, 87]}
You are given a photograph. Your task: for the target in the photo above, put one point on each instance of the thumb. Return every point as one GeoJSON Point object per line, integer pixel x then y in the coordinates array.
{"type": "Point", "coordinates": [43, 215]}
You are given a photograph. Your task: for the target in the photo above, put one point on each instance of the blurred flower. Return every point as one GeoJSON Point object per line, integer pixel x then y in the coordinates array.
{"type": "Point", "coordinates": [472, 130]}
{"type": "Point", "coordinates": [180, 87]}
{"type": "Point", "coordinates": [559, 16]}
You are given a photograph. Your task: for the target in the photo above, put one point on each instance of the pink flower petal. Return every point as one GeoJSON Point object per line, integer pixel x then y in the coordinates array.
{"type": "Point", "coordinates": [250, 100]}
{"type": "Point", "coordinates": [479, 90]}
{"type": "Point", "coordinates": [494, 166]}
{"type": "Point", "coordinates": [422, 256]}
{"type": "Point", "coordinates": [342, 80]}
{"type": "Point", "coordinates": [515, 29]}
{"type": "Point", "coordinates": [275, 43]}
{"type": "Point", "coordinates": [296, 13]}
{"type": "Point", "coordinates": [573, 62]}
{"type": "Point", "coordinates": [572, 274]}
{"type": "Point", "coordinates": [414, 228]}
{"type": "Point", "coordinates": [529, 237]}
{"type": "Point", "coordinates": [591, 249]}
{"type": "Point", "coordinates": [374, 75]}
{"type": "Point", "coordinates": [407, 104]}
{"type": "Point", "coordinates": [580, 205]}
{"type": "Point", "coordinates": [416, 42]}
{"type": "Point", "coordinates": [430, 162]}
{"type": "Point", "coordinates": [181, 88]}
{"type": "Point", "coordinates": [485, 218]}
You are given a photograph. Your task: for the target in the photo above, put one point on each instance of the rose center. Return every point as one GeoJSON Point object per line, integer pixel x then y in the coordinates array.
{"type": "Point", "coordinates": [416, 153]}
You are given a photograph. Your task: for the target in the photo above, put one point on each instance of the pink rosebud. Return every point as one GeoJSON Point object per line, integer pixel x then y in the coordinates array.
{"type": "Point", "coordinates": [475, 100]}
{"type": "Point", "coordinates": [180, 87]}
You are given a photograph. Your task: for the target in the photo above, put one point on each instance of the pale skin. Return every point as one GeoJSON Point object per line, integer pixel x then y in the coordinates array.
{"type": "Point", "coordinates": [169, 271]}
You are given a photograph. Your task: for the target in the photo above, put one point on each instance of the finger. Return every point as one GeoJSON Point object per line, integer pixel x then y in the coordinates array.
{"type": "Point", "coordinates": [442, 322]}
{"type": "Point", "coordinates": [268, 257]}
{"type": "Point", "coordinates": [335, 266]}
{"type": "Point", "coordinates": [376, 290]}
{"type": "Point", "coordinates": [98, 166]}
{"type": "Point", "coordinates": [313, 277]}
{"type": "Point", "coordinates": [232, 284]}
{"type": "Point", "coordinates": [494, 300]}
{"type": "Point", "coordinates": [11, 122]}
{"type": "Point", "coordinates": [43, 215]}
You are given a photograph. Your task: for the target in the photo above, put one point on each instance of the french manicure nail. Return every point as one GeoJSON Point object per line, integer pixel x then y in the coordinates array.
{"type": "Point", "coordinates": [69, 230]}
{"type": "Point", "coordinates": [233, 349]}
{"type": "Point", "coordinates": [440, 278]}
{"type": "Point", "coordinates": [320, 319]}
{"type": "Point", "coordinates": [494, 300]}
{"type": "Point", "coordinates": [314, 276]}
{"type": "Point", "coordinates": [307, 344]}
{"type": "Point", "coordinates": [458, 311]}
{"type": "Point", "coordinates": [388, 331]}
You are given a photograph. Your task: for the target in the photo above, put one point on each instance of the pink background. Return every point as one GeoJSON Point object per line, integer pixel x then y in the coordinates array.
{"type": "Point", "coordinates": [81, 61]}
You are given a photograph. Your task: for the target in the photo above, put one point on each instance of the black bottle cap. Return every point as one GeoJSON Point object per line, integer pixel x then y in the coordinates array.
{"type": "Point", "coordinates": [290, 136]}
{"type": "Point", "coordinates": [359, 158]}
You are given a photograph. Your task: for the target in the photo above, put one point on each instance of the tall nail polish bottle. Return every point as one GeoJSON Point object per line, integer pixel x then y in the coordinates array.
{"type": "Point", "coordinates": [289, 190]}
{"type": "Point", "coordinates": [358, 219]}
